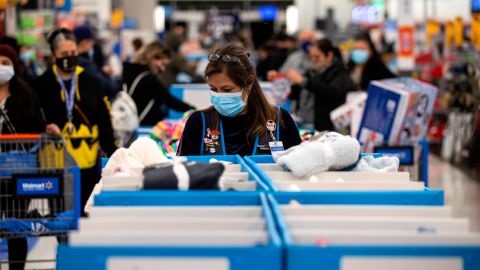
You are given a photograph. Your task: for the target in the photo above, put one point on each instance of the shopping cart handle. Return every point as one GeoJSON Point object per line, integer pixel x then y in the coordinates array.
{"type": "Point", "coordinates": [20, 136]}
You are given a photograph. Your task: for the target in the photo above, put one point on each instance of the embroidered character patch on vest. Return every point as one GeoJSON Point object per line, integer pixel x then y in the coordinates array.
{"type": "Point", "coordinates": [211, 141]}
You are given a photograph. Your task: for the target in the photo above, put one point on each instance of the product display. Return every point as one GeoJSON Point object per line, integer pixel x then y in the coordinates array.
{"type": "Point", "coordinates": [347, 117]}
{"type": "Point", "coordinates": [397, 112]}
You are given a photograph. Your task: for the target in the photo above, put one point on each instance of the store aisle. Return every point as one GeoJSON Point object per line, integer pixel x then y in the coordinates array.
{"type": "Point", "coordinates": [462, 192]}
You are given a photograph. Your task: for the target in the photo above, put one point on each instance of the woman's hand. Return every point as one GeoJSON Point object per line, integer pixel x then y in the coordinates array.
{"type": "Point", "coordinates": [271, 74]}
{"type": "Point", "coordinates": [53, 129]}
{"type": "Point", "coordinates": [294, 76]}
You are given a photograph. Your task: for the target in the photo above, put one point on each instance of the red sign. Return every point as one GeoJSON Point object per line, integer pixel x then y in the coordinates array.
{"type": "Point", "coordinates": [406, 41]}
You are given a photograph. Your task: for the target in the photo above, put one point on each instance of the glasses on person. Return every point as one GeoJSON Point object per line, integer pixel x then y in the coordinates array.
{"type": "Point", "coordinates": [214, 57]}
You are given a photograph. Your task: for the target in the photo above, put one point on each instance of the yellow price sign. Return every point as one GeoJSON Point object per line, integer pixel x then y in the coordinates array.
{"type": "Point", "coordinates": [117, 18]}
{"type": "Point", "coordinates": [449, 35]}
{"type": "Point", "coordinates": [458, 31]}
{"type": "Point", "coordinates": [432, 29]}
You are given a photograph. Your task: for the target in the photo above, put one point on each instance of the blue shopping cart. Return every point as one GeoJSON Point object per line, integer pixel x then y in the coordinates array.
{"type": "Point", "coordinates": [39, 190]}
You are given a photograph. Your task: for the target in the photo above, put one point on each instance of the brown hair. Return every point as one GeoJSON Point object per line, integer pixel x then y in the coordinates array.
{"type": "Point", "coordinates": [259, 110]}
{"type": "Point", "coordinates": [153, 50]}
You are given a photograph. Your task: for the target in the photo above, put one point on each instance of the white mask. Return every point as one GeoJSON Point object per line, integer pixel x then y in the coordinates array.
{"type": "Point", "coordinates": [6, 73]}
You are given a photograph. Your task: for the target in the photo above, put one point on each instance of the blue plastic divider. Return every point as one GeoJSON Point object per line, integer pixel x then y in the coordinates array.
{"type": "Point", "coordinates": [425, 197]}
{"type": "Point", "coordinates": [311, 257]}
{"type": "Point", "coordinates": [143, 131]}
{"type": "Point", "coordinates": [165, 198]}
{"type": "Point", "coordinates": [75, 171]}
{"type": "Point", "coordinates": [282, 253]}
{"type": "Point", "coordinates": [104, 162]}
{"type": "Point", "coordinates": [235, 159]}
{"type": "Point", "coordinates": [314, 258]}
{"type": "Point", "coordinates": [240, 258]}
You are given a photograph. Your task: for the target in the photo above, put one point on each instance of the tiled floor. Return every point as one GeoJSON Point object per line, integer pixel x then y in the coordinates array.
{"type": "Point", "coordinates": [461, 192]}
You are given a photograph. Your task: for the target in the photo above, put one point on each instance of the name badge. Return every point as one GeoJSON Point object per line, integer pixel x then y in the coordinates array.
{"type": "Point", "coordinates": [276, 146]}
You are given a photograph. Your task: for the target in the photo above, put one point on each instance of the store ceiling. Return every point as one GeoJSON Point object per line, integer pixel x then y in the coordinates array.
{"type": "Point", "coordinates": [223, 5]}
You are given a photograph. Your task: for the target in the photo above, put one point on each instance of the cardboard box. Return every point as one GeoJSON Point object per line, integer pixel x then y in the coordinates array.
{"type": "Point", "coordinates": [397, 112]}
{"type": "Point", "coordinates": [419, 110]}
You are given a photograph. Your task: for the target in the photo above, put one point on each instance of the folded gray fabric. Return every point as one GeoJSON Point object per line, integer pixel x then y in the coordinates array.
{"type": "Point", "coordinates": [183, 176]}
{"type": "Point", "coordinates": [381, 164]}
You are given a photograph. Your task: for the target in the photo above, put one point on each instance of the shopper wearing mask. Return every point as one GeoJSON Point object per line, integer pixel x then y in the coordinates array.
{"type": "Point", "coordinates": [31, 69]}
{"type": "Point", "coordinates": [241, 121]}
{"type": "Point", "coordinates": [365, 63]}
{"type": "Point", "coordinates": [285, 46]}
{"type": "Point", "coordinates": [300, 60]}
{"type": "Point", "coordinates": [76, 108]}
{"type": "Point", "coordinates": [328, 81]}
{"type": "Point", "coordinates": [150, 95]}
{"type": "Point", "coordinates": [90, 58]}
{"type": "Point", "coordinates": [178, 64]}
{"type": "Point", "coordinates": [302, 101]}
{"type": "Point", "coordinates": [88, 47]}
{"type": "Point", "coordinates": [19, 113]}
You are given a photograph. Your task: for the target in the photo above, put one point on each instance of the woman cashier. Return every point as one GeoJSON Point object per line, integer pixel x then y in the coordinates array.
{"type": "Point", "coordinates": [241, 120]}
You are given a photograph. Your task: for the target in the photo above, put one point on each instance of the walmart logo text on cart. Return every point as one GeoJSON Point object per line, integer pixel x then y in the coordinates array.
{"type": "Point", "coordinates": [38, 186]}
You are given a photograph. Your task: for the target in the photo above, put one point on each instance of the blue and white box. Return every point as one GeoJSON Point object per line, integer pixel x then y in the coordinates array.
{"type": "Point", "coordinates": [396, 113]}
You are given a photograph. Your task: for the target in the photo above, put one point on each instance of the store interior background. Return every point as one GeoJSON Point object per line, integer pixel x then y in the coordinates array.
{"type": "Point", "coordinates": [152, 19]}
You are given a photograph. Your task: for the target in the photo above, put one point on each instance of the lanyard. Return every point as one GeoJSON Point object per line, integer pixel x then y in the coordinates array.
{"type": "Point", "coordinates": [69, 97]}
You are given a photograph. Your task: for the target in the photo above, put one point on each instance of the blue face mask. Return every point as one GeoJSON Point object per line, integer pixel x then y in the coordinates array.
{"type": "Point", "coordinates": [359, 57]}
{"type": "Point", "coordinates": [228, 104]}
{"type": "Point", "coordinates": [26, 56]}
{"type": "Point", "coordinates": [207, 42]}
{"type": "Point", "coordinates": [306, 46]}
{"type": "Point", "coordinates": [90, 53]}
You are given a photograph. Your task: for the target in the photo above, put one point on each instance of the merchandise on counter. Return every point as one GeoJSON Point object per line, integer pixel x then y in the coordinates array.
{"type": "Point", "coordinates": [142, 152]}
{"type": "Point", "coordinates": [147, 152]}
{"type": "Point", "coordinates": [308, 134]}
{"type": "Point", "coordinates": [167, 133]}
{"type": "Point", "coordinates": [280, 88]}
{"type": "Point", "coordinates": [419, 110]}
{"type": "Point", "coordinates": [332, 151]}
{"type": "Point", "coordinates": [213, 160]}
{"type": "Point", "coordinates": [177, 175]}
{"type": "Point", "coordinates": [381, 164]}
{"type": "Point", "coordinates": [189, 176]}
{"type": "Point", "coordinates": [344, 118]}
{"type": "Point", "coordinates": [397, 112]}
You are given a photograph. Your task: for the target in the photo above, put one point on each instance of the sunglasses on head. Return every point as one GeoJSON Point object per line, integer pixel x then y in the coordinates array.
{"type": "Point", "coordinates": [214, 57]}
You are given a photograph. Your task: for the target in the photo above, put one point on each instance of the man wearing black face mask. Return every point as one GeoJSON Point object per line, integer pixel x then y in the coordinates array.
{"type": "Point", "coordinates": [90, 58]}
{"type": "Point", "coordinates": [285, 45]}
{"type": "Point", "coordinates": [87, 46]}
{"type": "Point", "coordinates": [76, 108]}
{"type": "Point", "coordinates": [299, 61]}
